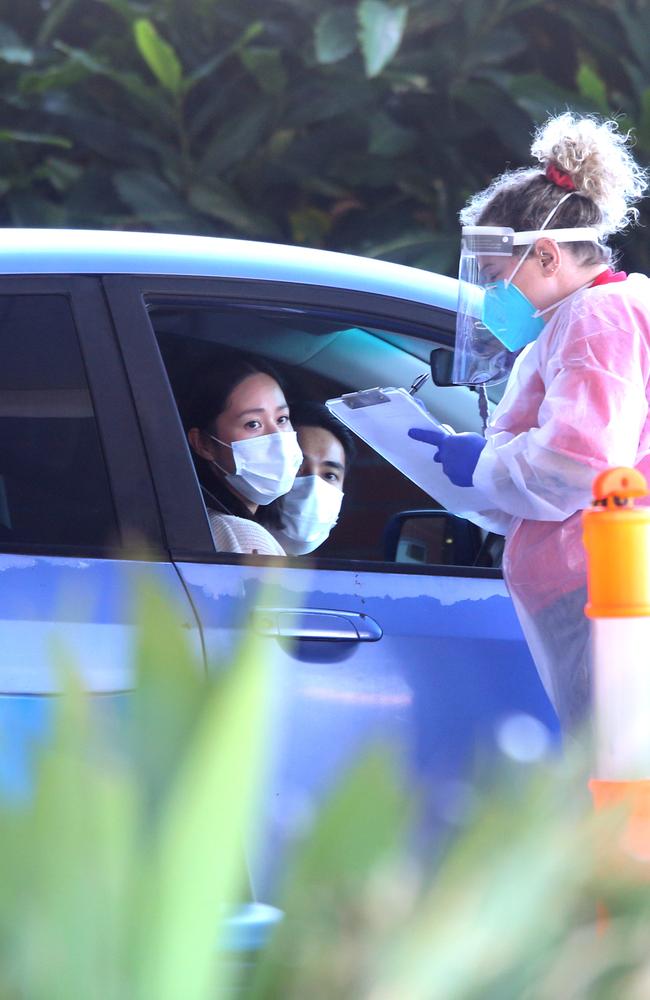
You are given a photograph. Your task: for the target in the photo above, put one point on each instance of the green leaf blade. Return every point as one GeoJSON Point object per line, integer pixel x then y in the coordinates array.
{"type": "Point", "coordinates": [334, 36]}
{"type": "Point", "coordinates": [198, 866]}
{"type": "Point", "coordinates": [592, 87]}
{"type": "Point", "coordinates": [159, 55]}
{"type": "Point", "coordinates": [381, 29]}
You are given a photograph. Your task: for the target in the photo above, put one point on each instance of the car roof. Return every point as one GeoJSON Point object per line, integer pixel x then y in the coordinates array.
{"type": "Point", "coordinates": [84, 251]}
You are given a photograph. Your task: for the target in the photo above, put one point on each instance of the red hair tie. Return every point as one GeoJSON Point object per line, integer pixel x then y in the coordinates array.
{"type": "Point", "coordinates": [559, 177]}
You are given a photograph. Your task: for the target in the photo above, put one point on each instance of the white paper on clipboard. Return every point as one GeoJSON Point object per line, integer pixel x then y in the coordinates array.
{"type": "Point", "coordinates": [382, 418]}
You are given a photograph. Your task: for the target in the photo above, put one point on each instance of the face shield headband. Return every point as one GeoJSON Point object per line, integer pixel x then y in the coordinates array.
{"type": "Point", "coordinates": [494, 319]}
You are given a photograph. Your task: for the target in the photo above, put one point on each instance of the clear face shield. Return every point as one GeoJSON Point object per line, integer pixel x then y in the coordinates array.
{"type": "Point", "coordinates": [479, 357]}
{"type": "Point", "coordinates": [494, 319]}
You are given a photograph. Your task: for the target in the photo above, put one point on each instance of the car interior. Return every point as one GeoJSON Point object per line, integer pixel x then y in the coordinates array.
{"type": "Point", "coordinates": [319, 357]}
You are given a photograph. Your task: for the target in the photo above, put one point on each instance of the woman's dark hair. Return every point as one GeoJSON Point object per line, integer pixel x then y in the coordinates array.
{"type": "Point", "coordinates": [209, 391]}
{"type": "Point", "coordinates": [211, 388]}
{"type": "Point", "coordinates": [307, 413]}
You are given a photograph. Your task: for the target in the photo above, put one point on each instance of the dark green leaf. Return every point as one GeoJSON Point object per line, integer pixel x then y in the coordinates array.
{"type": "Point", "coordinates": [57, 12]}
{"type": "Point", "coordinates": [335, 35]}
{"type": "Point", "coordinates": [60, 173]}
{"type": "Point", "coordinates": [9, 37]}
{"type": "Point", "coordinates": [499, 112]}
{"type": "Point", "coordinates": [381, 28]}
{"type": "Point", "coordinates": [58, 77]}
{"type": "Point", "coordinates": [541, 97]}
{"type": "Point", "coordinates": [219, 201]}
{"type": "Point", "coordinates": [113, 141]}
{"type": "Point", "coordinates": [475, 15]}
{"type": "Point", "coordinates": [146, 100]}
{"type": "Point", "coordinates": [634, 18]}
{"type": "Point", "coordinates": [152, 201]}
{"type": "Point", "coordinates": [316, 101]}
{"type": "Point", "coordinates": [267, 67]}
{"type": "Point", "coordinates": [502, 44]}
{"type": "Point", "coordinates": [643, 133]}
{"type": "Point", "coordinates": [27, 209]}
{"type": "Point", "coordinates": [239, 135]}
{"type": "Point", "coordinates": [214, 62]}
{"type": "Point", "coordinates": [126, 8]}
{"type": "Point", "coordinates": [606, 37]}
{"type": "Point", "coordinates": [39, 138]}
{"type": "Point", "coordinates": [387, 138]}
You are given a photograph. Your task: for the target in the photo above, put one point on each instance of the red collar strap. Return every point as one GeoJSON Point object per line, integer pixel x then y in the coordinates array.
{"type": "Point", "coordinates": [608, 276]}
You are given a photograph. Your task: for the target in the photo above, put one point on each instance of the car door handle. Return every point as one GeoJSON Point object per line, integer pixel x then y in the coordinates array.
{"type": "Point", "coordinates": [322, 625]}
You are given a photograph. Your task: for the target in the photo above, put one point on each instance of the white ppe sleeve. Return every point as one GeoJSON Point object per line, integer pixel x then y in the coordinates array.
{"type": "Point", "coordinates": [590, 417]}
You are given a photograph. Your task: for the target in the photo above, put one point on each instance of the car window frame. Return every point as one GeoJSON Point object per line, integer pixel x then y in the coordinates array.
{"type": "Point", "coordinates": [129, 480]}
{"type": "Point", "coordinates": [186, 523]}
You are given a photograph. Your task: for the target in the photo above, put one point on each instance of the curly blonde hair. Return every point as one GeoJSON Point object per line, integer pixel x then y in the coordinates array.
{"type": "Point", "coordinates": [595, 157]}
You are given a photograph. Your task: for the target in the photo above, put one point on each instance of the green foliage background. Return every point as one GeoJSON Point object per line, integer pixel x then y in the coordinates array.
{"type": "Point", "coordinates": [358, 125]}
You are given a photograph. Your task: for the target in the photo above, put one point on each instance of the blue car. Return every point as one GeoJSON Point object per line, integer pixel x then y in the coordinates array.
{"type": "Point", "coordinates": [399, 627]}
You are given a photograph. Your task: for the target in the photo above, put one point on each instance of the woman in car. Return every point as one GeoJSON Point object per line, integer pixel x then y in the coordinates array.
{"type": "Point", "coordinates": [303, 518]}
{"type": "Point", "coordinates": [245, 450]}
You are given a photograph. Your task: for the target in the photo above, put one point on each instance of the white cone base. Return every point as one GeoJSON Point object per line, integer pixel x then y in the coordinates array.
{"type": "Point", "coordinates": [621, 688]}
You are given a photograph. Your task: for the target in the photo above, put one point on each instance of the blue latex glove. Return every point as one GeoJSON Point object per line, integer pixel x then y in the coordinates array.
{"type": "Point", "coordinates": [457, 453]}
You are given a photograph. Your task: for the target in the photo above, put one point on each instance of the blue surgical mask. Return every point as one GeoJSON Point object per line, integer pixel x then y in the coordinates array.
{"type": "Point", "coordinates": [510, 316]}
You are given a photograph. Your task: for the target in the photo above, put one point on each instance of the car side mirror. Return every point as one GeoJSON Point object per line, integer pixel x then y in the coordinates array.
{"type": "Point", "coordinates": [432, 537]}
{"type": "Point", "coordinates": [442, 362]}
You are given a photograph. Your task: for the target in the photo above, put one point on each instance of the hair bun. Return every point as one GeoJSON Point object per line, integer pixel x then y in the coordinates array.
{"type": "Point", "coordinates": [596, 157]}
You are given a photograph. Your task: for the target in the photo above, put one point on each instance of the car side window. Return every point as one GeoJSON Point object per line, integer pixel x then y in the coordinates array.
{"type": "Point", "coordinates": [54, 490]}
{"type": "Point", "coordinates": [317, 357]}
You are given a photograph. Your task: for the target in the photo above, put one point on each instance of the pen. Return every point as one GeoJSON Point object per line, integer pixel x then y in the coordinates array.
{"type": "Point", "coordinates": [418, 383]}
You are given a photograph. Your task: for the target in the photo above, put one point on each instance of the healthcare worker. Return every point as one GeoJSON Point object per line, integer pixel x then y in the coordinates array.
{"type": "Point", "coordinates": [539, 294]}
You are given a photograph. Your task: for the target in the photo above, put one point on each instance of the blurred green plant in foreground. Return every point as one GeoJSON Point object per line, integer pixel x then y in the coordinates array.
{"type": "Point", "coordinates": [120, 870]}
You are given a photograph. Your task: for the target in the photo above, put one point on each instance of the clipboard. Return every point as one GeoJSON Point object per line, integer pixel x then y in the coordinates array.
{"type": "Point", "coordinates": [382, 418]}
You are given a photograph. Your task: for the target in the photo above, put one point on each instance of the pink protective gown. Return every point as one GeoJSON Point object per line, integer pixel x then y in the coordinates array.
{"type": "Point", "coordinates": [577, 402]}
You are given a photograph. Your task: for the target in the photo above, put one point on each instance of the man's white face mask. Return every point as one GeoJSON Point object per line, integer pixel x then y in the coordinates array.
{"type": "Point", "coordinates": [265, 466]}
{"type": "Point", "coordinates": [308, 512]}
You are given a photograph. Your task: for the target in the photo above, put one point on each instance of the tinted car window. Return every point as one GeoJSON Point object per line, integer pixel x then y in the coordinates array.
{"type": "Point", "coordinates": [317, 358]}
{"type": "Point", "coordinates": [54, 491]}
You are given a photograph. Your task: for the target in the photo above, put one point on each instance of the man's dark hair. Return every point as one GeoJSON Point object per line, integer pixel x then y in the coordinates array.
{"type": "Point", "coordinates": [307, 413]}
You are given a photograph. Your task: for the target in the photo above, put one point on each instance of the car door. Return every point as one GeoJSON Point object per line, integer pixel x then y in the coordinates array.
{"type": "Point", "coordinates": [75, 499]}
{"type": "Point", "coordinates": [428, 658]}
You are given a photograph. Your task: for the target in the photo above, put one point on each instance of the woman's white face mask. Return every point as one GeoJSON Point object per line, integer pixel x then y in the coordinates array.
{"type": "Point", "coordinates": [308, 511]}
{"type": "Point", "coordinates": [265, 466]}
